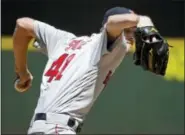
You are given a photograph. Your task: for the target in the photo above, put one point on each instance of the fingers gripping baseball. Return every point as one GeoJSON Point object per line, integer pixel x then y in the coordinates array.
{"type": "Point", "coordinates": [23, 83]}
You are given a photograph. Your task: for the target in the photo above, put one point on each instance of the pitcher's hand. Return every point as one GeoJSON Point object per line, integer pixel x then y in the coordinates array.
{"type": "Point", "coordinates": [23, 81]}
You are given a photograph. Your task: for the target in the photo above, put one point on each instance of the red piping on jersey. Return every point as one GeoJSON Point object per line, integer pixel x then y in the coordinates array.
{"type": "Point", "coordinates": [56, 129]}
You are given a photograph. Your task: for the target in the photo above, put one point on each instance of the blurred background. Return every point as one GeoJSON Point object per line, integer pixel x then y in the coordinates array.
{"type": "Point", "coordinates": [134, 102]}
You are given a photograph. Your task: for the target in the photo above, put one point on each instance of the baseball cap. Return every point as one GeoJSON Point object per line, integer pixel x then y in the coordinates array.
{"type": "Point", "coordinates": [114, 11]}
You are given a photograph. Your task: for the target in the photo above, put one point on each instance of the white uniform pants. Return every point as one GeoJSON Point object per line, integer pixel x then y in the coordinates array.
{"type": "Point", "coordinates": [55, 124]}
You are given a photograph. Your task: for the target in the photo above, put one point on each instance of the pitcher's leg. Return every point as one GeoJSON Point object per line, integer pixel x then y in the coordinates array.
{"type": "Point", "coordinates": [53, 129]}
{"type": "Point", "coordinates": [37, 128]}
{"type": "Point", "coordinates": [56, 129]}
{"type": "Point", "coordinates": [38, 133]}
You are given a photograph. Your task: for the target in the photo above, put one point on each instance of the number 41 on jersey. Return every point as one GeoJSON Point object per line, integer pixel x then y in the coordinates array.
{"type": "Point", "coordinates": [58, 67]}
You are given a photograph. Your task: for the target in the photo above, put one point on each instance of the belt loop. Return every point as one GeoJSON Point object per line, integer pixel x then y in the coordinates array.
{"type": "Point", "coordinates": [71, 122]}
{"type": "Point", "coordinates": [76, 125]}
{"type": "Point", "coordinates": [79, 128]}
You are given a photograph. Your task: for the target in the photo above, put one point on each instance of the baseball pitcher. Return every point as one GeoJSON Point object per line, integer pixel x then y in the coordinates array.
{"type": "Point", "coordinates": [78, 68]}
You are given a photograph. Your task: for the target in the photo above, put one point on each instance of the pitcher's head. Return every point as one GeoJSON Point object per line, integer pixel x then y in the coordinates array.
{"type": "Point", "coordinates": [128, 32]}
{"type": "Point", "coordinates": [115, 11]}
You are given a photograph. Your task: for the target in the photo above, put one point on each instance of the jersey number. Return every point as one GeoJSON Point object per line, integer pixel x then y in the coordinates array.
{"type": "Point", "coordinates": [58, 67]}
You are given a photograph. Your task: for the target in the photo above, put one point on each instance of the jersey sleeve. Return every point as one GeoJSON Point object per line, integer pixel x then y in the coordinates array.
{"type": "Point", "coordinates": [48, 36]}
{"type": "Point", "coordinates": [109, 46]}
{"type": "Point", "coordinates": [104, 42]}
{"type": "Point", "coordinates": [100, 45]}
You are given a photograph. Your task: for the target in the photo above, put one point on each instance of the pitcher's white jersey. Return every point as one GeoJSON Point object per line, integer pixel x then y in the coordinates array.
{"type": "Point", "coordinates": [77, 70]}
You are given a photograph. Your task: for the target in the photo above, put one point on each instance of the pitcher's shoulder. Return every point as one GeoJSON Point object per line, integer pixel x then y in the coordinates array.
{"type": "Point", "coordinates": [96, 35]}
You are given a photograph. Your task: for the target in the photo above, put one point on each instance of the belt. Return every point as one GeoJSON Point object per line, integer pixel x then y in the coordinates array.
{"type": "Point", "coordinates": [71, 121]}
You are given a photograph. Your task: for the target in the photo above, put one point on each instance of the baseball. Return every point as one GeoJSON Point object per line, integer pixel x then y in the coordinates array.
{"type": "Point", "coordinates": [16, 85]}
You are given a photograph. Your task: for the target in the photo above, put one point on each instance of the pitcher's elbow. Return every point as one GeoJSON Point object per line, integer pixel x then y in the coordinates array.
{"type": "Point", "coordinates": [25, 24]}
